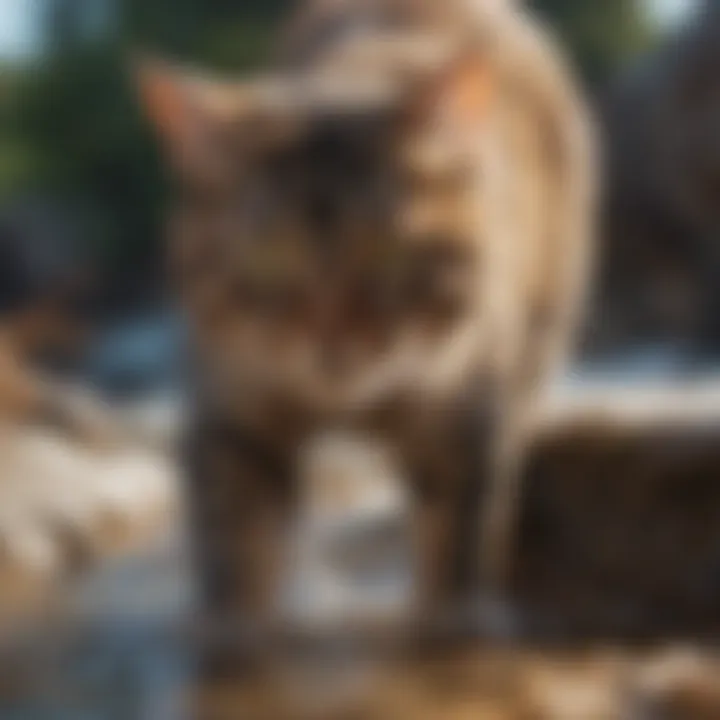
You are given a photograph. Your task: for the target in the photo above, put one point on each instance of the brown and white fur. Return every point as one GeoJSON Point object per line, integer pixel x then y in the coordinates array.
{"type": "Point", "coordinates": [397, 246]}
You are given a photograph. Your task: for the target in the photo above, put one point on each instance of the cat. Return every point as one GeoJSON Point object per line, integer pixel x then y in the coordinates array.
{"type": "Point", "coordinates": [398, 247]}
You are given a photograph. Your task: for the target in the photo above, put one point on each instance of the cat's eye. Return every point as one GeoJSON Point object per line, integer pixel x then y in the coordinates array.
{"type": "Point", "coordinates": [382, 298]}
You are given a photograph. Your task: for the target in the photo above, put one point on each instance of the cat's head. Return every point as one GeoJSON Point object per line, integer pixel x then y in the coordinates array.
{"type": "Point", "coordinates": [325, 233]}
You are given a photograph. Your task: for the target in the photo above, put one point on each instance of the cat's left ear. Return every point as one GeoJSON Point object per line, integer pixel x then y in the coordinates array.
{"type": "Point", "coordinates": [459, 97]}
{"type": "Point", "coordinates": [188, 111]}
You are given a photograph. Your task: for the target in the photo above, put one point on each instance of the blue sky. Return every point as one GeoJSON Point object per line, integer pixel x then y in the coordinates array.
{"type": "Point", "coordinates": [16, 25]}
{"type": "Point", "coordinates": [671, 11]}
{"type": "Point", "coordinates": [17, 21]}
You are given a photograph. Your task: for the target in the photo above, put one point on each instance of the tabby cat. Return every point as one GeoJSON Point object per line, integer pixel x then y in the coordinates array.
{"type": "Point", "coordinates": [388, 232]}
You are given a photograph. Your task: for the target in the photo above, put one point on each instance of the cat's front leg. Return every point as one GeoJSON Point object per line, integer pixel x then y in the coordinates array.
{"type": "Point", "coordinates": [463, 568]}
{"type": "Point", "coordinates": [241, 501]}
{"type": "Point", "coordinates": [448, 479]}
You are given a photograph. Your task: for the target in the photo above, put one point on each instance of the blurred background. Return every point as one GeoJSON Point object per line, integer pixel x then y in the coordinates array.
{"type": "Point", "coordinates": [82, 199]}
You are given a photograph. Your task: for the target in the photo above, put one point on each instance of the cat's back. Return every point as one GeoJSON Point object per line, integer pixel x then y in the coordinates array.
{"type": "Point", "coordinates": [547, 133]}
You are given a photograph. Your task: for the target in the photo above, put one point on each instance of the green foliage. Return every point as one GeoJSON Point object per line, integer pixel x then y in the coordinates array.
{"type": "Point", "coordinates": [602, 35]}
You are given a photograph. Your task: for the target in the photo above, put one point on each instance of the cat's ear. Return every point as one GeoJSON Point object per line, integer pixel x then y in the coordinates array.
{"type": "Point", "coordinates": [188, 111]}
{"type": "Point", "coordinates": [459, 96]}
